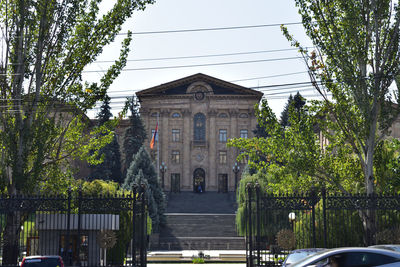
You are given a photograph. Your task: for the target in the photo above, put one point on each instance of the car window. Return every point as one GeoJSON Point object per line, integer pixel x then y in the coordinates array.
{"type": "Point", "coordinates": [362, 259]}
{"type": "Point", "coordinates": [43, 262]}
{"type": "Point", "coordinates": [295, 257]}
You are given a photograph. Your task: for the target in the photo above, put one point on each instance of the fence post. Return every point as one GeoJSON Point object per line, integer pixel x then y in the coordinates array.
{"type": "Point", "coordinates": [324, 215]}
{"type": "Point", "coordinates": [258, 223]}
{"type": "Point", "coordinates": [143, 228]}
{"type": "Point", "coordinates": [133, 246]}
{"type": "Point", "coordinates": [249, 192]}
{"type": "Point", "coordinates": [68, 239]}
{"type": "Point", "coordinates": [314, 198]}
{"type": "Point", "coordinates": [78, 246]}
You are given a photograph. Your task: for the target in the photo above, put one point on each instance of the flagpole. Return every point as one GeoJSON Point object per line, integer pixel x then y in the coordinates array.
{"type": "Point", "coordinates": [158, 147]}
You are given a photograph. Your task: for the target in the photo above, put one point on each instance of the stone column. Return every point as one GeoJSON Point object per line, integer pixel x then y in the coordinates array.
{"type": "Point", "coordinates": [232, 152]}
{"type": "Point", "coordinates": [212, 151]}
{"type": "Point", "coordinates": [164, 138]}
{"type": "Point", "coordinates": [186, 180]}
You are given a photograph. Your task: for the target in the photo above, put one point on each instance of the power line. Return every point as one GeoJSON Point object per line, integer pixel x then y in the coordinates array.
{"type": "Point", "coordinates": [202, 56]}
{"type": "Point", "coordinates": [214, 29]}
{"type": "Point", "coordinates": [271, 76]}
{"type": "Point", "coordinates": [202, 65]}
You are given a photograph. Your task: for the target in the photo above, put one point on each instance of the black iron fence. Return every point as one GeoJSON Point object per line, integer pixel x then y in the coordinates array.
{"type": "Point", "coordinates": [99, 230]}
{"type": "Point", "coordinates": [279, 223]}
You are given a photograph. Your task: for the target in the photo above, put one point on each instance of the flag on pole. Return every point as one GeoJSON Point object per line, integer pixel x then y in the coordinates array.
{"type": "Point", "coordinates": [153, 139]}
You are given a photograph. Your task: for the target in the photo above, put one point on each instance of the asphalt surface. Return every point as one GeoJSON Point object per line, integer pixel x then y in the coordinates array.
{"type": "Point", "coordinates": [192, 265]}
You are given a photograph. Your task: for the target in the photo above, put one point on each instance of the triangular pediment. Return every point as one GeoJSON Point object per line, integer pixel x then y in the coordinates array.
{"type": "Point", "coordinates": [180, 87]}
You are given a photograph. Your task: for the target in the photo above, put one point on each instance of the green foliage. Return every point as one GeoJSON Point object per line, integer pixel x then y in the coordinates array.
{"type": "Point", "coordinates": [297, 102]}
{"type": "Point", "coordinates": [197, 260]}
{"type": "Point", "coordinates": [356, 60]}
{"type": "Point", "coordinates": [141, 171]}
{"type": "Point", "coordinates": [242, 195]}
{"type": "Point", "coordinates": [47, 46]}
{"type": "Point", "coordinates": [135, 134]}
{"type": "Point", "coordinates": [110, 167]}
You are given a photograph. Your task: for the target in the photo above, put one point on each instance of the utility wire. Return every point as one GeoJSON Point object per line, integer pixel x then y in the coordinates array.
{"type": "Point", "coordinates": [214, 29]}
{"type": "Point", "coordinates": [202, 56]}
{"type": "Point", "coordinates": [202, 65]}
{"type": "Point", "coordinates": [271, 76]}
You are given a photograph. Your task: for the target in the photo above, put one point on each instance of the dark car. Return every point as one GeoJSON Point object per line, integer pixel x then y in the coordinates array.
{"type": "Point", "coordinates": [42, 261]}
{"type": "Point", "coordinates": [351, 257]}
{"type": "Point", "coordinates": [299, 254]}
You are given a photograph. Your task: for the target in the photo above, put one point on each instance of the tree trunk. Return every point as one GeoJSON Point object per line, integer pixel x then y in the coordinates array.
{"type": "Point", "coordinates": [11, 234]}
{"type": "Point", "coordinates": [369, 216]}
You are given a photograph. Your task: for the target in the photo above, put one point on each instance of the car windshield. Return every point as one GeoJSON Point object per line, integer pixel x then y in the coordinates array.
{"type": "Point", "coordinates": [42, 262]}
{"type": "Point", "coordinates": [296, 256]}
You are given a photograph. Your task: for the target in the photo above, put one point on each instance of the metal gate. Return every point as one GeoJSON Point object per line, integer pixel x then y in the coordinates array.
{"type": "Point", "coordinates": [94, 230]}
{"type": "Point", "coordinates": [279, 223]}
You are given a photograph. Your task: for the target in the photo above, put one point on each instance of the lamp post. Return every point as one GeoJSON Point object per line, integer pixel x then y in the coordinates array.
{"type": "Point", "coordinates": [236, 169]}
{"type": "Point", "coordinates": [292, 218]}
{"type": "Point", "coordinates": [163, 169]}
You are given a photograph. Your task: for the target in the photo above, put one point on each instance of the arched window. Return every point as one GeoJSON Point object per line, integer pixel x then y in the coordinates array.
{"type": "Point", "coordinates": [176, 115]}
{"type": "Point", "coordinates": [199, 127]}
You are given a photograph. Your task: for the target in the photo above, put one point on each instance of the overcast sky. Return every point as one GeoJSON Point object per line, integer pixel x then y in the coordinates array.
{"type": "Point", "coordinates": [154, 56]}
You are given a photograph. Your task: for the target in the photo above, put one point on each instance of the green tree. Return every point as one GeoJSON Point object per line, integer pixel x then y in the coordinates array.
{"type": "Point", "coordinates": [46, 46]}
{"type": "Point", "coordinates": [135, 134]}
{"type": "Point", "coordinates": [285, 113]}
{"type": "Point", "coordinates": [356, 60]}
{"type": "Point", "coordinates": [110, 166]}
{"type": "Point", "coordinates": [141, 171]}
{"type": "Point", "coordinates": [297, 101]}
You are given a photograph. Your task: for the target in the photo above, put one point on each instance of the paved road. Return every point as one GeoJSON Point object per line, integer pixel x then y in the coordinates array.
{"type": "Point", "coordinates": [193, 265]}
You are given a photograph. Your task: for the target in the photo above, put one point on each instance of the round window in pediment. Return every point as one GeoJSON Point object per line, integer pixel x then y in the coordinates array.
{"type": "Point", "coordinates": [199, 95]}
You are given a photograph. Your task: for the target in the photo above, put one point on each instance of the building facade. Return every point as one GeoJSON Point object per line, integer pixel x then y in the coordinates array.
{"type": "Point", "coordinates": [196, 115]}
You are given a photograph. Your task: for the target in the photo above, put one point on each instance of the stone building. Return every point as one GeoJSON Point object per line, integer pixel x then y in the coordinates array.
{"type": "Point", "coordinates": [196, 115]}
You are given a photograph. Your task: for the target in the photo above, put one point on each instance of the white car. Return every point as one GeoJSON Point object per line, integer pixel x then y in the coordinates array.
{"type": "Point", "coordinates": [388, 246]}
{"type": "Point", "coordinates": [351, 257]}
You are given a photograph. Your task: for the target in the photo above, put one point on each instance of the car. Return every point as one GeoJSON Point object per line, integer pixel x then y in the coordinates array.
{"type": "Point", "coordinates": [388, 246]}
{"type": "Point", "coordinates": [42, 261]}
{"type": "Point", "coordinates": [299, 254]}
{"type": "Point", "coordinates": [351, 257]}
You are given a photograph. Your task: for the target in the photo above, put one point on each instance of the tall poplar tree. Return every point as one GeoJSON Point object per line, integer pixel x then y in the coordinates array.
{"type": "Point", "coordinates": [355, 61]}
{"type": "Point", "coordinates": [45, 47]}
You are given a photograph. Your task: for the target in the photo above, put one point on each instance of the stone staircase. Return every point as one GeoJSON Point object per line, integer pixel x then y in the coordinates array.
{"type": "Point", "coordinates": [203, 221]}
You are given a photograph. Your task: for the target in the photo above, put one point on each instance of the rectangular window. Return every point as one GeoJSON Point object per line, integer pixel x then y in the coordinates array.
{"type": "Point", "coordinates": [152, 133]}
{"type": "Point", "coordinates": [222, 157]}
{"type": "Point", "coordinates": [244, 133]}
{"type": "Point", "coordinates": [176, 135]}
{"type": "Point", "coordinates": [175, 156]}
{"type": "Point", "coordinates": [223, 133]}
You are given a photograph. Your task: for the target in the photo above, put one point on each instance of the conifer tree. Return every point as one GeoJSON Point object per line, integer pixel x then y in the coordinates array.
{"type": "Point", "coordinates": [110, 168]}
{"type": "Point", "coordinates": [285, 113]}
{"type": "Point", "coordinates": [298, 102]}
{"type": "Point", "coordinates": [134, 135]}
{"type": "Point", "coordinates": [141, 171]}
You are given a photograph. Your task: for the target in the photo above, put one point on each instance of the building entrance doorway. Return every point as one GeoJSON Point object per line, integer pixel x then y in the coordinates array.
{"type": "Point", "coordinates": [199, 180]}
{"type": "Point", "coordinates": [223, 183]}
{"type": "Point", "coordinates": [175, 182]}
